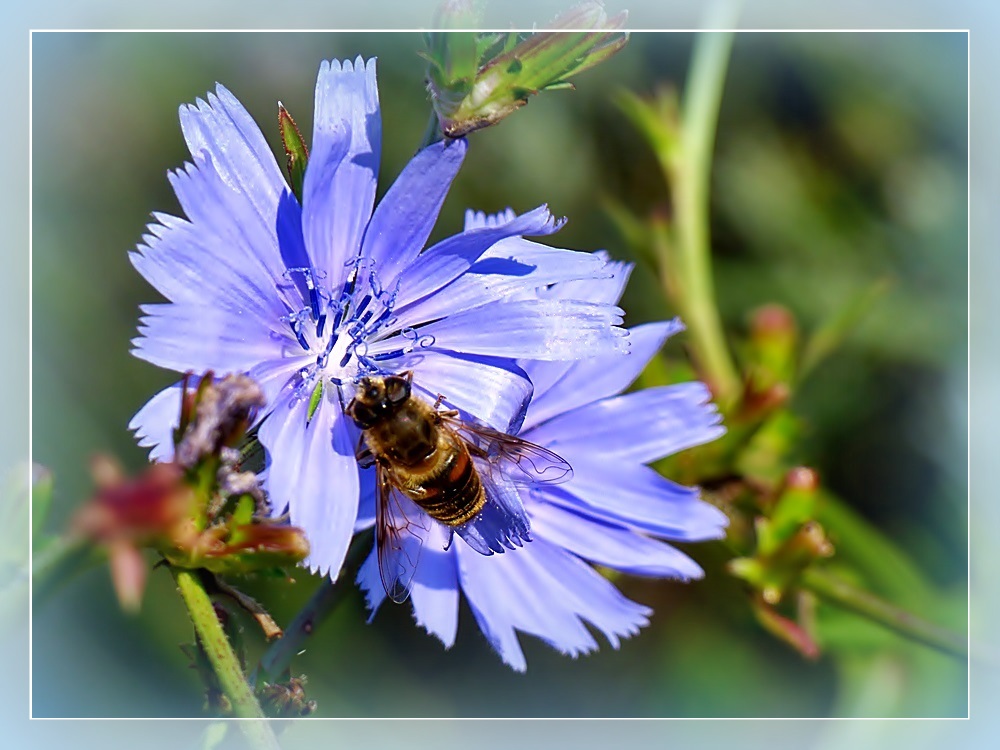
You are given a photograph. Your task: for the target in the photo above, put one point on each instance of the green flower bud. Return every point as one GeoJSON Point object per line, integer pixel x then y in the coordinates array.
{"type": "Point", "coordinates": [475, 80]}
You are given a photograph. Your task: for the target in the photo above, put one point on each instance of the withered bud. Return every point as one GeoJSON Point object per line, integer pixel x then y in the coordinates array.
{"type": "Point", "coordinates": [222, 413]}
{"type": "Point", "coordinates": [286, 699]}
{"type": "Point", "coordinates": [128, 514]}
{"type": "Point", "coordinates": [148, 506]}
{"type": "Point", "coordinates": [241, 483]}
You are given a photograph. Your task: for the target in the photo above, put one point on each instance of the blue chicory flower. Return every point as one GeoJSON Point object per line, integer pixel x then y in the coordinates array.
{"type": "Point", "coordinates": [306, 298]}
{"type": "Point", "coordinates": [613, 512]}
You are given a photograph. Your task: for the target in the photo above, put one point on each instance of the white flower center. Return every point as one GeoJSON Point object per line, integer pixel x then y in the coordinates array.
{"type": "Point", "coordinates": [336, 327]}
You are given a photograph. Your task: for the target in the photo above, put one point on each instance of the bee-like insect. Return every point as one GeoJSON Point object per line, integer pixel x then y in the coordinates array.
{"type": "Point", "coordinates": [459, 473]}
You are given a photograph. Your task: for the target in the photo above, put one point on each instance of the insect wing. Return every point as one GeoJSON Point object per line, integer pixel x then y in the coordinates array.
{"type": "Point", "coordinates": [400, 528]}
{"type": "Point", "coordinates": [523, 462]}
{"type": "Point", "coordinates": [502, 522]}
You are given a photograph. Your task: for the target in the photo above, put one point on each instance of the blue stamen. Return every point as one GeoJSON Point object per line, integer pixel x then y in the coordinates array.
{"type": "Point", "coordinates": [345, 297]}
{"type": "Point", "coordinates": [313, 297]}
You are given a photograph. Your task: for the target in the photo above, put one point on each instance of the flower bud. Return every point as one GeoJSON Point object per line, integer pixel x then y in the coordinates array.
{"type": "Point", "coordinates": [218, 417]}
{"type": "Point", "coordinates": [771, 360]}
{"type": "Point", "coordinates": [199, 510]}
{"type": "Point", "coordinates": [477, 80]}
{"type": "Point", "coordinates": [296, 152]}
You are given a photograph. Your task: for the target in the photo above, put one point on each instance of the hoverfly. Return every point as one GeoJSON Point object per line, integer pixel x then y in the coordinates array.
{"type": "Point", "coordinates": [459, 473]}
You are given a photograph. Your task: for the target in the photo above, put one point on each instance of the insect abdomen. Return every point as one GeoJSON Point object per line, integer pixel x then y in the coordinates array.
{"type": "Point", "coordinates": [455, 494]}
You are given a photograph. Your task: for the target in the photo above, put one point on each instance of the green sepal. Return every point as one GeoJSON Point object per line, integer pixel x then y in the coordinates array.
{"type": "Point", "coordinates": [796, 505]}
{"type": "Point", "coordinates": [296, 151]}
{"type": "Point", "coordinates": [241, 519]}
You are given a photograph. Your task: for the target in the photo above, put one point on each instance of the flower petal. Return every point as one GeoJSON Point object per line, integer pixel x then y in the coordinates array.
{"type": "Point", "coordinates": [636, 427]}
{"type": "Point", "coordinates": [502, 522]}
{"type": "Point", "coordinates": [636, 496]}
{"type": "Point", "coordinates": [228, 230]}
{"type": "Point", "coordinates": [338, 191]}
{"type": "Point", "coordinates": [547, 592]}
{"type": "Point", "coordinates": [313, 472]}
{"type": "Point", "coordinates": [154, 423]}
{"type": "Point", "coordinates": [224, 131]}
{"type": "Point", "coordinates": [274, 374]}
{"type": "Point", "coordinates": [610, 545]}
{"type": "Point", "coordinates": [366, 502]}
{"type": "Point", "coordinates": [299, 270]}
{"type": "Point", "coordinates": [434, 588]}
{"type": "Point", "coordinates": [370, 581]}
{"type": "Point", "coordinates": [448, 259]}
{"type": "Point", "coordinates": [406, 215]}
{"type": "Point", "coordinates": [607, 289]}
{"type": "Point", "coordinates": [187, 265]}
{"type": "Point", "coordinates": [536, 329]}
{"type": "Point", "coordinates": [511, 269]}
{"type": "Point", "coordinates": [480, 219]}
{"type": "Point", "coordinates": [495, 391]}
{"type": "Point", "coordinates": [588, 380]}
{"type": "Point", "coordinates": [203, 337]}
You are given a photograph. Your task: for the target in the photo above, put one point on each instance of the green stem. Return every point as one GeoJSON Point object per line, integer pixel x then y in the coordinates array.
{"type": "Point", "coordinates": [279, 656]}
{"type": "Point", "coordinates": [324, 600]}
{"type": "Point", "coordinates": [220, 654]}
{"type": "Point", "coordinates": [432, 133]}
{"type": "Point", "coordinates": [836, 591]}
{"type": "Point", "coordinates": [688, 171]}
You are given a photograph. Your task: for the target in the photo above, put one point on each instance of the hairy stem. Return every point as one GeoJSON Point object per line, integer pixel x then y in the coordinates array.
{"type": "Point", "coordinates": [833, 590]}
{"type": "Point", "coordinates": [224, 661]}
{"type": "Point", "coordinates": [688, 171]}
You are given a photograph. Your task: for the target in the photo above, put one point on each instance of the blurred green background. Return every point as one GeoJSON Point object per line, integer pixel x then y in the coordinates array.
{"type": "Point", "coordinates": [841, 162]}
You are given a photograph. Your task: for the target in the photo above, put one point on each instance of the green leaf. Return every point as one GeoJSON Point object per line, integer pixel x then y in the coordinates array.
{"type": "Point", "coordinates": [657, 120]}
{"type": "Point", "coordinates": [832, 333]}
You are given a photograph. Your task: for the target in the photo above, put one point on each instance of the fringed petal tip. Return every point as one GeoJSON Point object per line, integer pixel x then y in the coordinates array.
{"type": "Point", "coordinates": [370, 582]}
{"type": "Point", "coordinates": [495, 529]}
{"type": "Point", "coordinates": [711, 414]}
{"type": "Point", "coordinates": [549, 224]}
{"type": "Point", "coordinates": [482, 220]}
{"type": "Point", "coordinates": [361, 67]}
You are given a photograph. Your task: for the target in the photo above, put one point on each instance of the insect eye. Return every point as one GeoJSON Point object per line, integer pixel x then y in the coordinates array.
{"type": "Point", "coordinates": [397, 390]}
{"type": "Point", "coordinates": [363, 416]}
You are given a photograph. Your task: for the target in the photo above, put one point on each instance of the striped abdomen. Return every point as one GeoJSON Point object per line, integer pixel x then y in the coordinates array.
{"type": "Point", "coordinates": [453, 494]}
